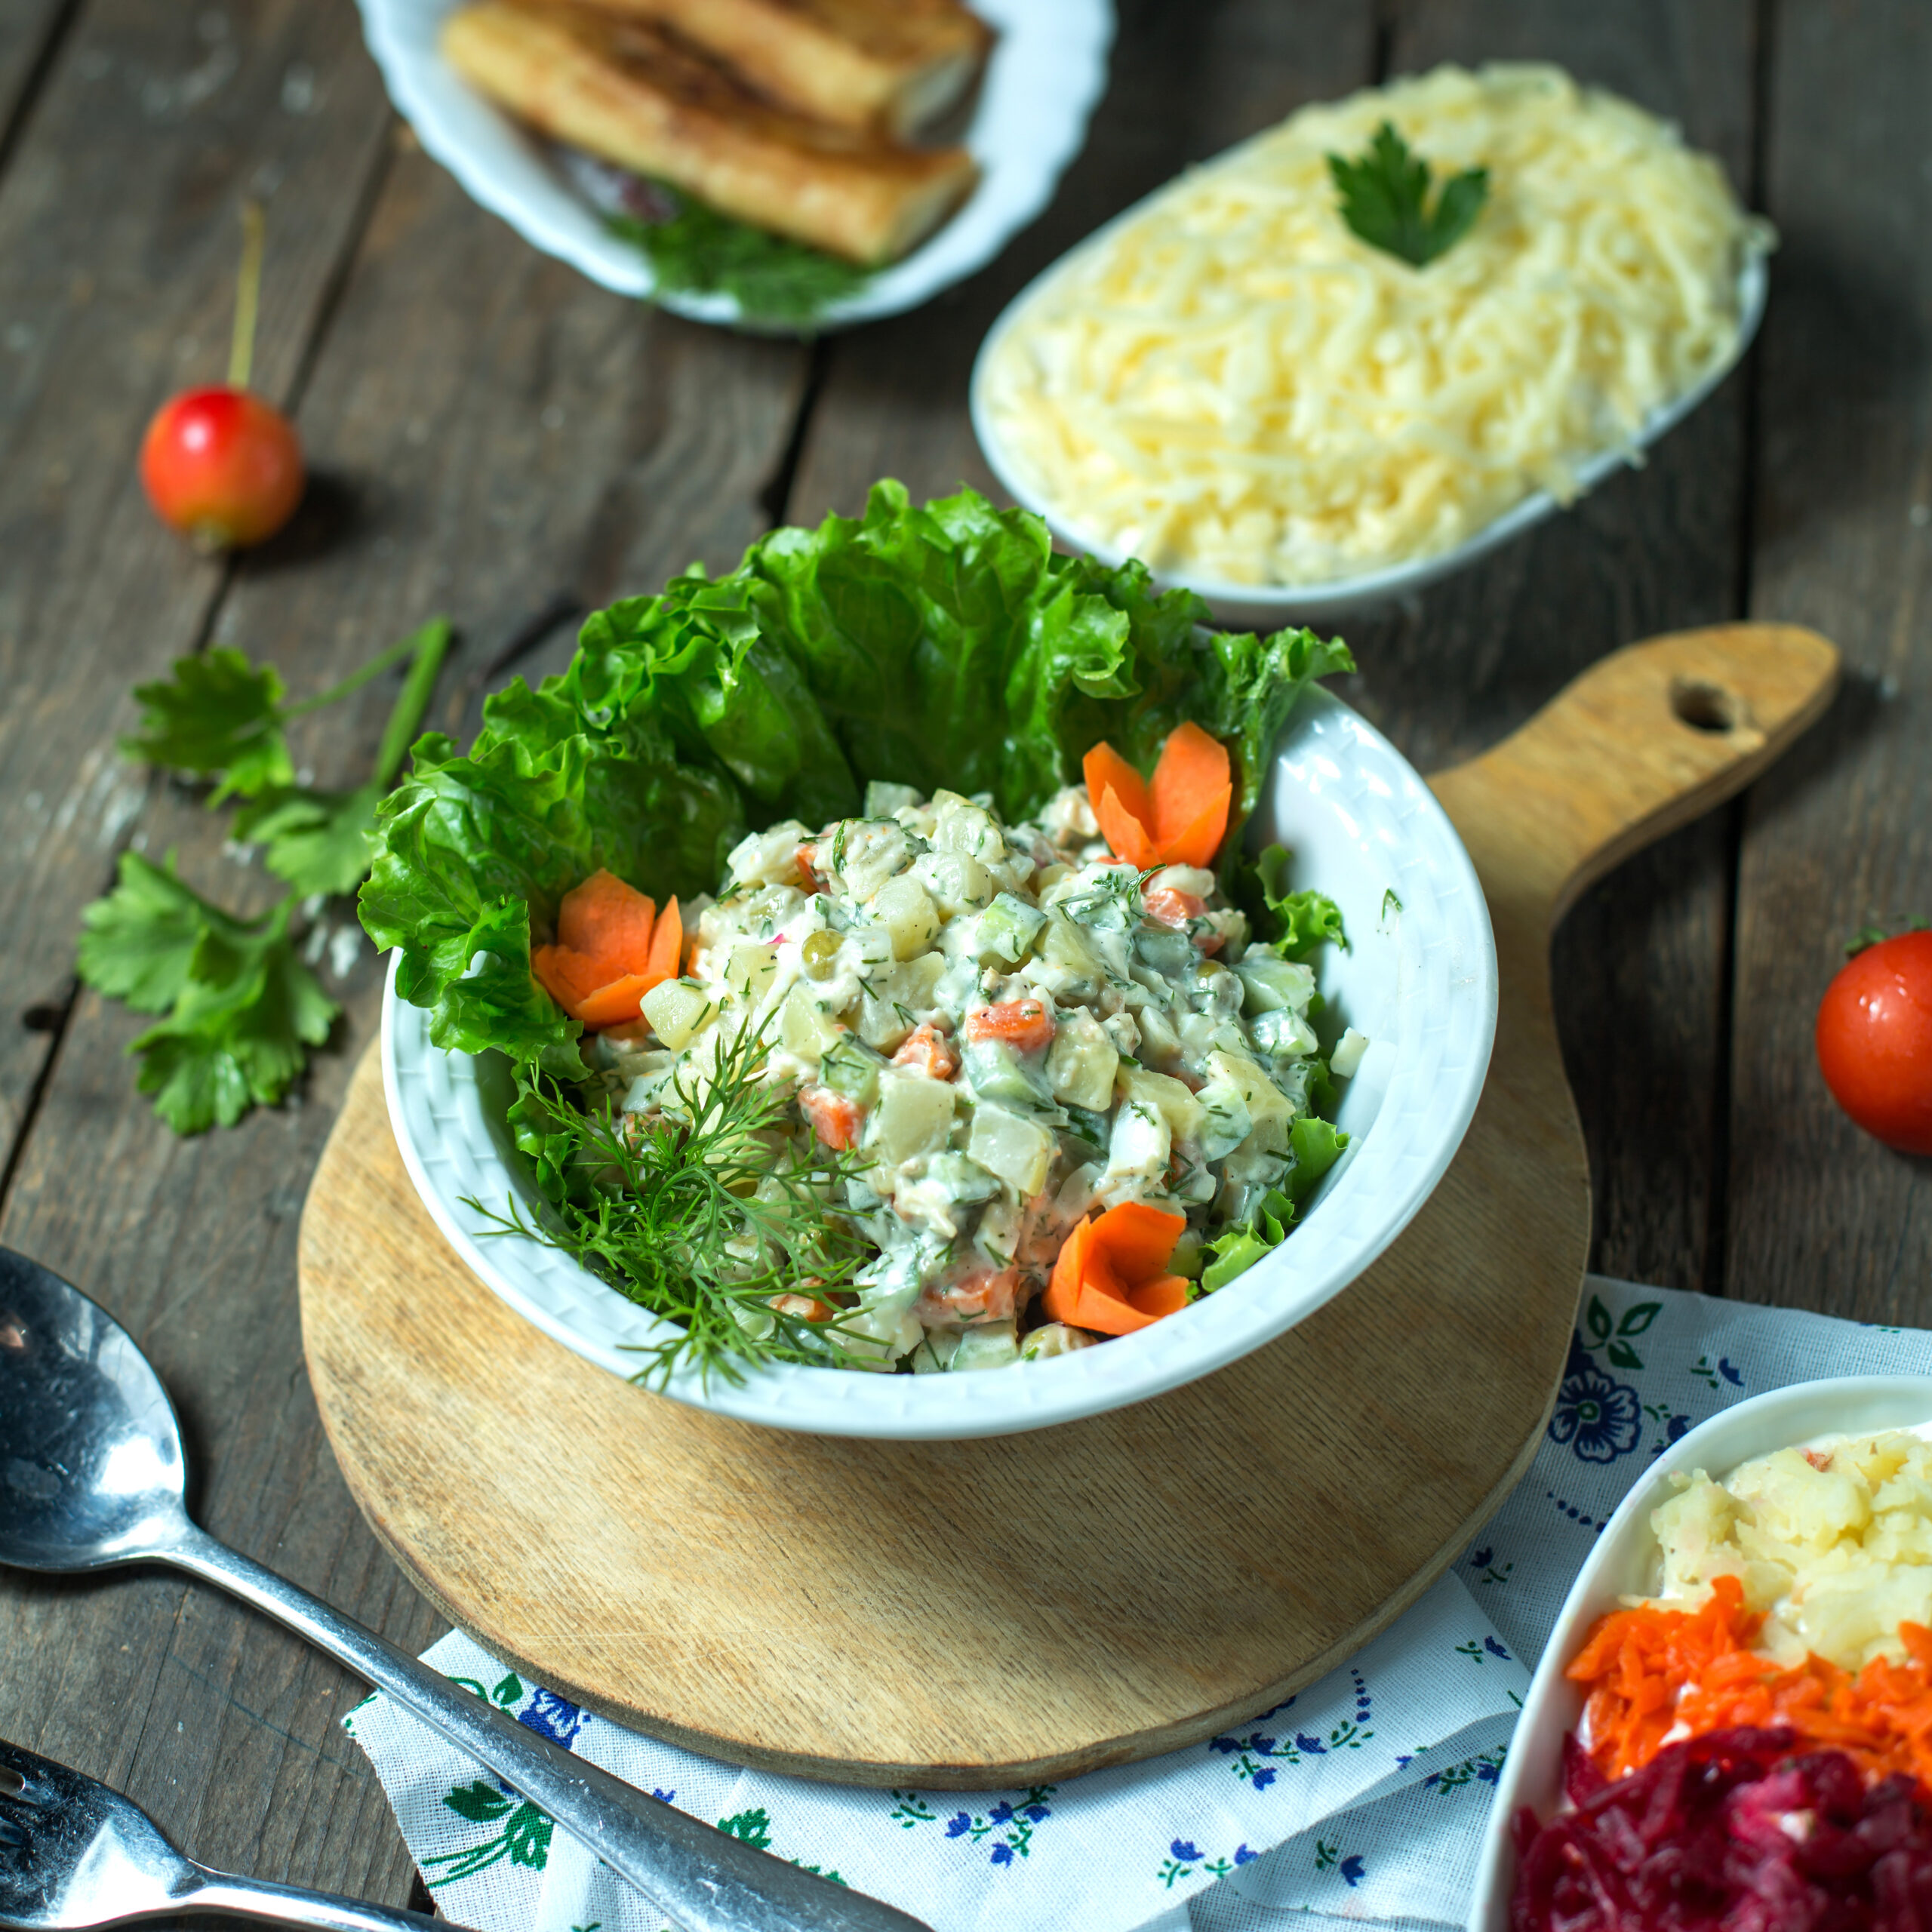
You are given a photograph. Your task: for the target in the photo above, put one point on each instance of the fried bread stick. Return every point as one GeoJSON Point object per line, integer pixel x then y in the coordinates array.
{"type": "Point", "coordinates": [889, 64]}
{"type": "Point", "coordinates": [632, 94]}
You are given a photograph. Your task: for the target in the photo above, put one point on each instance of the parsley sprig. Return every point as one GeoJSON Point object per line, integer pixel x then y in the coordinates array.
{"type": "Point", "coordinates": [1384, 197]}
{"type": "Point", "coordinates": [240, 1006]}
{"type": "Point", "coordinates": [701, 1214]}
{"type": "Point", "coordinates": [698, 251]}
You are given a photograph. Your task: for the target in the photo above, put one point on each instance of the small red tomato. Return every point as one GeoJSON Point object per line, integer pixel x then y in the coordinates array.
{"type": "Point", "coordinates": [223, 466]}
{"type": "Point", "coordinates": [1875, 1040]}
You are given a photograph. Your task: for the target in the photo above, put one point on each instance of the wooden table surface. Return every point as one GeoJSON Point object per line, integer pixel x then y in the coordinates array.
{"type": "Point", "coordinates": [488, 430]}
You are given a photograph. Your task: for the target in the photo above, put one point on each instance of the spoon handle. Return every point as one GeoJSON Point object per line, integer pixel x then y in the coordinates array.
{"type": "Point", "coordinates": [702, 1880]}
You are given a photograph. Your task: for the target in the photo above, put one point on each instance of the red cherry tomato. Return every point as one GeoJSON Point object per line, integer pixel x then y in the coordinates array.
{"type": "Point", "coordinates": [223, 466]}
{"type": "Point", "coordinates": [1875, 1040]}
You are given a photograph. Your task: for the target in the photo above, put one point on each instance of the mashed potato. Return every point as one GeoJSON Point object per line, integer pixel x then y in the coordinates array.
{"type": "Point", "coordinates": [1833, 1542]}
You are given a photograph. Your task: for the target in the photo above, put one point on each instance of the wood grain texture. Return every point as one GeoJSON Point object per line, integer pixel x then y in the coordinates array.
{"type": "Point", "coordinates": [484, 425]}
{"type": "Point", "coordinates": [1822, 1216]}
{"type": "Point", "coordinates": [657, 1563]}
{"type": "Point", "coordinates": [28, 28]}
{"type": "Point", "coordinates": [1641, 964]}
{"type": "Point", "coordinates": [119, 231]}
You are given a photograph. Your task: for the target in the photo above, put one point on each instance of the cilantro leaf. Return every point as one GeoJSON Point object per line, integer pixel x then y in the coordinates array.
{"type": "Point", "coordinates": [700, 252]}
{"type": "Point", "coordinates": [1384, 196]}
{"type": "Point", "coordinates": [216, 716]}
{"type": "Point", "coordinates": [1307, 920]}
{"type": "Point", "coordinates": [236, 1034]}
{"type": "Point", "coordinates": [319, 841]}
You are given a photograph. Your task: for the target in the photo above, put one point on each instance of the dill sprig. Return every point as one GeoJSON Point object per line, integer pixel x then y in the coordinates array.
{"type": "Point", "coordinates": [702, 1216]}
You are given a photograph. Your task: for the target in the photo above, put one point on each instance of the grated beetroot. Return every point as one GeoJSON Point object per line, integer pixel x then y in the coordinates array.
{"type": "Point", "coordinates": [1732, 1831]}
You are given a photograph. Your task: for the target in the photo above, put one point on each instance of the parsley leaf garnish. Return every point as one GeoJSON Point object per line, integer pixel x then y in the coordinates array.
{"type": "Point", "coordinates": [699, 251]}
{"type": "Point", "coordinates": [1384, 196]}
{"type": "Point", "coordinates": [217, 716]}
{"type": "Point", "coordinates": [241, 1008]}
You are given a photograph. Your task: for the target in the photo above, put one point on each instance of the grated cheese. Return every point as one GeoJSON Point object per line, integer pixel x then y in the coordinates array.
{"type": "Point", "coordinates": [1231, 383]}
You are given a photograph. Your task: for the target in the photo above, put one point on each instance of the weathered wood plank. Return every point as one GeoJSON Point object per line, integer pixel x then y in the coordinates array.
{"type": "Point", "coordinates": [1185, 82]}
{"type": "Point", "coordinates": [1638, 966]}
{"type": "Point", "coordinates": [1821, 1216]}
{"type": "Point", "coordinates": [498, 426]}
{"type": "Point", "coordinates": [26, 30]}
{"type": "Point", "coordinates": [117, 226]}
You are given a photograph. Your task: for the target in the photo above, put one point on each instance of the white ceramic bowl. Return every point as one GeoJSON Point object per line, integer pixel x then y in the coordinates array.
{"type": "Point", "coordinates": [1048, 70]}
{"type": "Point", "coordinates": [1420, 982]}
{"type": "Point", "coordinates": [1624, 1563]}
{"type": "Point", "coordinates": [1267, 607]}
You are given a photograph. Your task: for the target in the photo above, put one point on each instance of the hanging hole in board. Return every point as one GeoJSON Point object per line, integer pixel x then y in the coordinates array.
{"type": "Point", "coordinates": [1705, 707]}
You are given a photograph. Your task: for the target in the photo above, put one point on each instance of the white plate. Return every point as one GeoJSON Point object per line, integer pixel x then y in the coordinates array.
{"type": "Point", "coordinates": [1267, 607]}
{"type": "Point", "coordinates": [1049, 69]}
{"type": "Point", "coordinates": [1624, 1563]}
{"type": "Point", "coordinates": [1420, 982]}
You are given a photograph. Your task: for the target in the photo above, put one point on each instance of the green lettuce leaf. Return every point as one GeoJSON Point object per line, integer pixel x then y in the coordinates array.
{"type": "Point", "coordinates": [943, 645]}
{"type": "Point", "coordinates": [1303, 921]}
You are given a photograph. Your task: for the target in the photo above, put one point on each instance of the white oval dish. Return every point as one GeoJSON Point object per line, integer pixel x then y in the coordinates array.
{"type": "Point", "coordinates": [1270, 607]}
{"type": "Point", "coordinates": [1046, 71]}
{"type": "Point", "coordinates": [1419, 981]}
{"type": "Point", "coordinates": [1624, 1563]}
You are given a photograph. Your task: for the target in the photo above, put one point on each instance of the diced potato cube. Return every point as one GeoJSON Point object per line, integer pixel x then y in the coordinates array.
{"type": "Point", "coordinates": [1168, 1097]}
{"type": "Point", "coordinates": [960, 826]}
{"type": "Point", "coordinates": [883, 798]}
{"type": "Point", "coordinates": [804, 1029]}
{"type": "Point", "coordinates": [882, 1024]}
{"type": "Point", "coordinates": [913, 1118]}
{"type": "Point", "coordinates": [985, 1345]}
{"type": "Point", "coordinates": [957, 882]}
{"type": "Point", "coordinates": [752, 968]}
{"type": "Point", "coordinates": [1051, 1339]}
{"type": "Point", "coordinates": [1345, 1061]}
{"type": "Point", "coordinates": [1268, 1106]}
{"type": "Point", "coordinates": [770, 857]}
{"type": "Point", "coordinates": [1228, 1123]}
{"type": "Point", "coordinates": [1020, 1151]}
{"type": "Point", "coordinates": [675, 1010]}
{"type": "Point", "coordinates": [1140, 1144]}
{"type": "Point", "coordinates": [1082, 1063]}
{"type": "Point", "coordinates": [905, 909]}
{"type": "Point", "coordinates": [863, 853]}
{"type": "Point", "coordinates": [1272, 983]}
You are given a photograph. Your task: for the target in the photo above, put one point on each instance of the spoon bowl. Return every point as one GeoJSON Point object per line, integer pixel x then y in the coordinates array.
{"type": "Point", "coordinates": [93, 1474]}
{"type": "Point", "coordinates": [91, 1468]}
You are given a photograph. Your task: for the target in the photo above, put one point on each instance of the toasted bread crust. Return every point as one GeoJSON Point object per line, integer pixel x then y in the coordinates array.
{"type": "Point", "coordinates": [624, 90]}
{"type": "Point", "coordinates": [885, 64]}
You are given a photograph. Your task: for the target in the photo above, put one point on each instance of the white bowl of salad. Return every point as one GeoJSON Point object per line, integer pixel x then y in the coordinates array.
{"type": "Point", "coordinates": [920, 986]}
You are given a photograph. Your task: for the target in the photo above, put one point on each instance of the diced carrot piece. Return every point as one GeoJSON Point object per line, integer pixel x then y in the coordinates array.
{"type": "Point", "coordinates": [1192, 788]}
{"type": "Point", "coordinates": [667, 945]}
{"type": "Point", "coordinates": [1172, 907]}
{"type": "Point", "coordinates": [1137, 1241]}
{"type": "Point", "coordinates": [835, 1118]}
{"type": "Point", "coordinates": [926, 1049]}
{"type": "Point", "coordinates": [1023, 1024]}
{"type": "Point", "coordinates": [809, 1306]}
{"type": "Point", "coordinates": [608, 921]}
{"type": "Point", "coordinates": [621, 1000]}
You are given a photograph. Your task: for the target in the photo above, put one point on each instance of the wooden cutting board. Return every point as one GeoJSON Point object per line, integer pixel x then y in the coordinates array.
{"type": "Point", "coordinates": [989, 1614]}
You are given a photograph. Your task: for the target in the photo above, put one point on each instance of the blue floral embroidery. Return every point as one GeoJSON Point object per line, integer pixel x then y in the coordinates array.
{"type": "Point", "coordinates": [1484, 1560]}
{"type": "Point", "coordinates": [1484, 1770]}
{"type": "Point", "coordinates": [1016, 1818]}
{"type": "Point", "coordinates": [1349, 1735]}
{"type": "Point", "coordinates": [1600, 1419]}
{"type": "Point", "coordinates": [1673, 1426]}
{"type": "Point", "coordinates": [552, 1717]}
{"type": "Point", "coordinates": [1328, 1858]}
{"type": "Point", "coordinates": [1183, 1855]}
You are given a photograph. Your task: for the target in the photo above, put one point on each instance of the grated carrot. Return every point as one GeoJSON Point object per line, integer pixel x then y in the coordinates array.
{"type": "Point", "coordinates": [1656, 1675]}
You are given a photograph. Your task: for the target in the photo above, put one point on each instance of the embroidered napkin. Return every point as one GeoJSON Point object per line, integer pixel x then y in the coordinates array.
{"type": "Point", "coordinates": [1363, 1799]}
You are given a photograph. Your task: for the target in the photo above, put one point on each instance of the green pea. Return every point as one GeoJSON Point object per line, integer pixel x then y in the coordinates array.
{"type": "Point", "coordinates": [820, 954]}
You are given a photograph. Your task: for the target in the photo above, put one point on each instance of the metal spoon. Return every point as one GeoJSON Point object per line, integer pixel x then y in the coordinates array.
{"type": "Point", "coordinates": [92, 1474]}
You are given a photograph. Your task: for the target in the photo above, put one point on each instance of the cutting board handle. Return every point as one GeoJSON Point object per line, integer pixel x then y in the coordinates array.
{"type": "Point", "coordinates": [1645, 740]}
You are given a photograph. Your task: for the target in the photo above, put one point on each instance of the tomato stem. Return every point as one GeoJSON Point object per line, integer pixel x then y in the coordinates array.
{"type": "Point", "coordinates": [247, 295]}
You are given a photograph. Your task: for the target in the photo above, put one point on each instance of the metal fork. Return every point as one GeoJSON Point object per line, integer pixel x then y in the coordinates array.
{"type": "Point", "coordinates": [74, 1854]}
